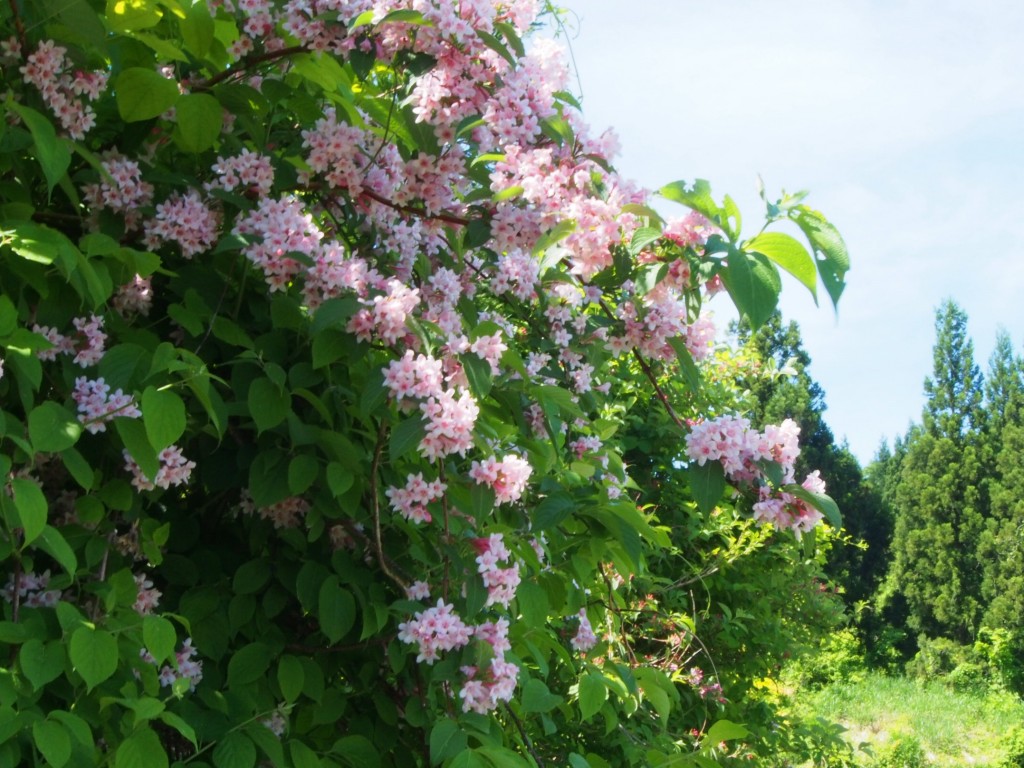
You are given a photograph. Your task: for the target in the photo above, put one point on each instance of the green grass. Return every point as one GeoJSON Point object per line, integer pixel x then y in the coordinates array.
{"type": "Point", "coordinates": [955, 728]}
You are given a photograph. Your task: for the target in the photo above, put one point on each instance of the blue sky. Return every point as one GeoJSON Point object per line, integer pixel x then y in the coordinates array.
{"type": "Point", "coordinates": [905, 120]}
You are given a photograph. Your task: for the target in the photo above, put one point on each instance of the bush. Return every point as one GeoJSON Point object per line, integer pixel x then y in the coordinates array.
{"type": "Point", "coordinates": [904, 751]}
{"type": "Point", "coordinates": [1014, 757]}
{"type": "Point", "coordinates": [840, 659]}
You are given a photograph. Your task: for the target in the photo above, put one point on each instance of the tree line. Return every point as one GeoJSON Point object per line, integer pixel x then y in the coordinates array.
{"type": "Point", "coordinates": [930, 563]}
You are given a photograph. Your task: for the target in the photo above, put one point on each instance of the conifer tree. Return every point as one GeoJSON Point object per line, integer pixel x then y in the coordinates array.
{"type": "Point", "coordinates": [1000, 549]}
{"type": "Point", "coordinates": [940, 503]}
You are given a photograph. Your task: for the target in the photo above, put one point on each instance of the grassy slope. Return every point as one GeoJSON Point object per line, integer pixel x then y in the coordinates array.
{"type": "Point", "coordinates": [955, 728]}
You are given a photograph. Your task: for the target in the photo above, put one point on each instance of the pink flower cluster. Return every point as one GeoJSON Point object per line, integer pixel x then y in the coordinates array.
{"type": "Point", "coordinates": [249, 170]}
{"type": "Point", "coordinates": [507, 477]}
{"type": "Point", "coordinates": [384, 316]}
{"type": "Point", "coordinates": [32, 590]}
{"type": "Point", "coordinates": [134, 298]}
{"type": "Point", "coordinates": [121, 190]}
{"type": "Point", "coordinates": [185, 220]}
{"type": "Point", "coordinates": [732, 441]}
{"type": "Point", "coordinates": [277, 228]}
{"type": "Point", "coordinates": [148, 598]}
{"type": "Point", "coordinates": [789, 511]}
{"type": "Point", "coordinates": [175, 469]}
{"type": "Point", "coordinates": [435, 630]}
{"type": "Point", "coordinates": [87, 346]}
{"type": "Point", "coordinates": [287, 513]}
{"type": "Point", "coordinates": [484, 694]}
{"type": "Point", "coordinates": [489, 348]}
{"type": "Point", "coordinates": [97, 406]}
{"type": "Point", "coordinates": [186, 666]}
{"type": "Point", "coordinates": [412, 500]}
{"type": "Point", "coordinates": [47, 70]}
{"type": "Point", "coordinates": [584, 639]}
{"type": "Point", "coordinates": [450, 422]}
{"type": "Point", "coordinates": [501, 583]}
{"type": "Point", "coordinates": [414, 376]}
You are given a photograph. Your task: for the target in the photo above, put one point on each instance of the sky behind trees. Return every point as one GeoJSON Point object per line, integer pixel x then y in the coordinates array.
{"type": "Point", "coordinates": [902, 119]}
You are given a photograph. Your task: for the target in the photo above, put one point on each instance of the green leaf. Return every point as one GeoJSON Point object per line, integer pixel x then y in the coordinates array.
{"type": "Point", "coordinates": [52, 542]}
{"type": "Point", "coordinates": [132, 15]}
{"type": "Point", "coordinates": [31, 506]}
{"type": "Point", "coordinates": [136, 441]}
{"type": "Point", "coordinates": [357, 752]}
{"type": "Point", "coordinates": [478, 372]}
{"type": "Point", "coordinates": [178, 724]}
{"type": "Point", "coordinates": [159, 637]}
{"type": "Point", "coordinates": [537, 697]}
{"type": "Point", "coordinates": [698, 197]}
{"type": "Point", "coordinates": [143, 94]}
{"type": "Point", "coordinates": [248, 664]}
{"type": "Point", "coordinates": [592, 694]}
{"type": "Point", "coordinates": [447, 740]}
{"type": "Point", "coordinates": [754, 284]}
{"type": "Point", "coordinates": [788, 253]}
{"type": "Point", "coordinates": [706, 484]}
{"type": "Point", "coordinates": [290, 677]}
{"type": "Point", "coordinates": [235, 750]}
{"type": "Point", "coordinates": [336, 609]}
{"type": "Point", "coordinates": [8, 316]}
{"type": "Point", "coordinates": [52, 741]}
{"type": "Point", "coordinates": [142, 749]}
{"type": "Point", "coordinates": [78, 467]}
{"type": "Point", "coordinates": [470, 759]}
{"type": "Point", "coordinates": [51, 151]}
{"type": "Point", "coordinates": [643, 237]}
{"type": "Point", "coordinates": [302, 473]}
{"type": "Point", "coordinates": [552, 510]}
{"type": "Point", "coordinates": [302, 756]}
{"type": "Point", "coordinates": [200, 119]}
{"type": "Point", "coordinates": [197, 29]}
{"type": "Point", "coordinates": [163, 414]}
{"type": "Point", "coordinates": [833, 259]}
{"type": "Point", "coordinates": [339, 478]}
{"type": "Point", "coordinates": [723, 730]}
{"type": "Point", "coordinates": [820, 501]}
{"type": "Point", "coordinates": [93, 654]}
{"type": "Point", "coordinates": [406, 436]}
{"type": "Point", "coordinates": [496, 45]}
{"type": "Point", "coordinates": [686, 364]}
{"type": "Point", "coordinates": [268, 405]}
{"type": "Point", "coordinates": [40, 662]}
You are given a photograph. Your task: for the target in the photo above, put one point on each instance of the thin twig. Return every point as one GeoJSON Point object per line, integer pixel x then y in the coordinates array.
{"type": "Point", "coordinates": [19, 27]}
{"type": "Point", "coordinates": [447, 218]}
{"type": "Point", "coordinates": [244, 65]}
{"type": "Point", "coordinates": [375, 503]}
{"type": "Point", "coordinates": [658, 391]}
{"type": "Point", "coordinates": [524, 735]}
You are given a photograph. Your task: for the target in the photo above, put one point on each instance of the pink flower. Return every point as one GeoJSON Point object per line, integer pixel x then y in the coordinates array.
{"type": "Point", "coordinates": [584, 639]}
{"type": "Point", "coordinates": [507, 477]}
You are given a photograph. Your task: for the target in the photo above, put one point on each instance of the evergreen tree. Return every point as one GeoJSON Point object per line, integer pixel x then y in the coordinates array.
{"type": "Point", "coordinates": [954, 391]}
{"type": "Point", "coordinates": [1000, 549]}
{"type": "Point", "coordinates": [940, 503]}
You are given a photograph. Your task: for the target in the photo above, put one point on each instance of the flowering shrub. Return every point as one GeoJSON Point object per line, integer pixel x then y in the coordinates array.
{"type": "Point", "coordinates": [314, 314]}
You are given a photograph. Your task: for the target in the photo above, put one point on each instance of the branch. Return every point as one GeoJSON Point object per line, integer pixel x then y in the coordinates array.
{"type": "Point", "coordinates": [375, 503]}
{"type": "Point", "coordinates": [244, 64]}
{"type": "Point", "coordinates": [447, 218]}
{"type": "Point", "coordinates": [524, 735]}
{"type": "Point", "coordinates": [19, 27]}
{"type": "Point", "coordinates": [646, 368]}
